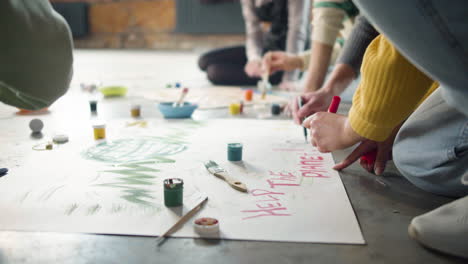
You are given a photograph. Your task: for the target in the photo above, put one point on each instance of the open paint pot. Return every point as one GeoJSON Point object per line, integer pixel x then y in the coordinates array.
{"type": "Point", "coordinates": [99, 131]}
{"type": "Point", "coordinates": [135, 111]}
{"type": "Point", "coordinates": [183, 111]}
{"type": "Point", "coordinates": [206, 226]}
{"type": "Point", "coordinates": [173, 192]}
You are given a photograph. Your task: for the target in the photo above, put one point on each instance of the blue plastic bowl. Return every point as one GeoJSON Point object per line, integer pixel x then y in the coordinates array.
{"type": "Point", "coordinates": [184, 111]}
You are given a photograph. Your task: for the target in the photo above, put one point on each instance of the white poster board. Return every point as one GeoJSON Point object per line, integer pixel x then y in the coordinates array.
{"type": "Point", "coordinates": [116, 187]}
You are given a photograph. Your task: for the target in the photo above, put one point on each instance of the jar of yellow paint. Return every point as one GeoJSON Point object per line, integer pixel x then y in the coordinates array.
{"type": "Point", "coordinates": [99, 131]}
{"type": "Point", "coordinates": [135, 111]}
{"type": "Point", "coordinates": [234, 109]}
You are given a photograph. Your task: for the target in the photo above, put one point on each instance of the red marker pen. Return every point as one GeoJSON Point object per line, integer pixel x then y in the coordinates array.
{"type": "Point", "coordinates": [335, 103]}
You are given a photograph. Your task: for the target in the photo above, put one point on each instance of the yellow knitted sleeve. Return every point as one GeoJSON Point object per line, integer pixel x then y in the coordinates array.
{"type": "Point", "coordinates": [390, 90]}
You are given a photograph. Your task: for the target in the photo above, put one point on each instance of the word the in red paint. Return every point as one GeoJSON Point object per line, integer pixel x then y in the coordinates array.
{"type": "Point", "coordinates": [283, 179]}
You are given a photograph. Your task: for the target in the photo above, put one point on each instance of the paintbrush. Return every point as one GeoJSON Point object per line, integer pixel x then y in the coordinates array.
{"type": "Point", "coordinates": [299, 104]}
{"type": "Point", "coordinates": [181, 221]}
{"type": "Point", "coordinates": [265, 83]}
{"type": "Point", "coordinates": [180, 102]}
{"type": "Point", "coordinates": [221, 173]}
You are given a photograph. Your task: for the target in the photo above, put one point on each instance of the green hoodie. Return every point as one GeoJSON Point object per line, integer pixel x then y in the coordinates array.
{"type": "Point", "coordinates": [35, 54]}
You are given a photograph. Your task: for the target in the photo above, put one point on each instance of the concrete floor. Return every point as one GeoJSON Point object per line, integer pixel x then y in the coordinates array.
{"type": "Point", "coordinates": [384, 212]}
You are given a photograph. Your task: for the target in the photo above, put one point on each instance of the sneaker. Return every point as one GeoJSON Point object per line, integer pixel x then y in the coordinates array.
{"type": "Point", "coordinates": [444, 229]}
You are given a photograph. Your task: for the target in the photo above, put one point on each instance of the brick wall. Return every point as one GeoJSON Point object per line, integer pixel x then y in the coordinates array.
{"type": "Point", "coordinates": [147, 24]}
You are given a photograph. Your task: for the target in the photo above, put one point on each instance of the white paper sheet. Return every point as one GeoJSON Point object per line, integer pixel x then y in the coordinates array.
{"type": "Point", "coordinates": [116, 187]}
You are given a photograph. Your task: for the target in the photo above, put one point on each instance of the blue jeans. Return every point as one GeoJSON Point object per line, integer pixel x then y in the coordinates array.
{"type": "Point", "coordinates": [431, 149]}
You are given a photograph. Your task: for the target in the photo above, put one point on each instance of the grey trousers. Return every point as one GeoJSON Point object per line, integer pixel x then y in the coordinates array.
{"type": "Point", "coordinates": [431, 149]}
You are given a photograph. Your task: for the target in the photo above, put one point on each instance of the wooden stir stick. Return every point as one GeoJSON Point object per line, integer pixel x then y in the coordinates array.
{"type": "Point", "coordinates": [181, 221]}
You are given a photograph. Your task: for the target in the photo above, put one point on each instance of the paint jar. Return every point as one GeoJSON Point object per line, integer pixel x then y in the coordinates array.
{"type": "Point", "coordinates": [275, 109]}
{"type": "Point", "coordinates": [262, 110]}
{"type": "Point", "coordinates": [206, 226]}
{"type": "Point", "coordinates": [93, 106]}
{"type": "Point", "coordinates": [241, 107]}
{"type": "Point", "coordinates": [234, 152]}
{"type": "Point", "coordinates": [234, 109]}
{"type": "Point", "coordinates": [173, 192]}
{"type": "Point", "coordinates": [248, 95]}
{"type": "Point", "coordinates": [135, 111]}
{"type": "Point", "coordinates": [99, 131]}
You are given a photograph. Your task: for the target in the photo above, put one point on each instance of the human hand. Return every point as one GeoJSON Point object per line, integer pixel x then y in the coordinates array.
{"type": "Point", "coordinates": [312, 102]}
{"type": "Point", "coordinates": [382, 149]}
{"type": "Point", "coordinates": [329, 131]}
{"type": "Point", "coordinates": [253, 68]}
{"type": "Point", "coordinates": [280, 61]}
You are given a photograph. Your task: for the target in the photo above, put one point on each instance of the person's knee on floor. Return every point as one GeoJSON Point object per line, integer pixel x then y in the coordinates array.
{"type": "Point", "coordinates": [228, 74]}
{"type": "Point", "coordinates": [203, 62]}
{"type": "Point", "coordinates": [215, 74]}
{"type": "Point", "coordinates": [433, 154]}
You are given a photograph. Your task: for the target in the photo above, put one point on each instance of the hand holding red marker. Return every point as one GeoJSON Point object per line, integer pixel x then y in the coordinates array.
{"type": "Point", "coordinates": [335, 103]}
{"type": "Point", "coordinates": [369, 157]}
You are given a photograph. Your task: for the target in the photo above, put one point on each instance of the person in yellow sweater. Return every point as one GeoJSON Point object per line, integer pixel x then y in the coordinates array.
{"type": "Point", "coordinates": [431, 148]}
{"type": "Point", "coordinates": [398, 109]}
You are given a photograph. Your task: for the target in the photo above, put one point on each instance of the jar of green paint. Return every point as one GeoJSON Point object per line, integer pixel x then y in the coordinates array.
{"type": "Point", "coordinates": [173, 192]}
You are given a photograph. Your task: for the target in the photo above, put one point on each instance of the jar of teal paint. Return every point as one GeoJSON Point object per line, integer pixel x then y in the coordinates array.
{"type": "Point", "coordinates": [234, 152]}
{"type": "Point", "coordinates": [173, 192]}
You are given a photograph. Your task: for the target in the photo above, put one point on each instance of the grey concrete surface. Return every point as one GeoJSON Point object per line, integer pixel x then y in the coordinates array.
{"type": "Point", "coordinates": [384, 212]}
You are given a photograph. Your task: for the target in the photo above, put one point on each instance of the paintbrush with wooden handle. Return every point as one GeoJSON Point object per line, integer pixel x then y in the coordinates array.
{"type": "Point", "coordinates": [221, 173]}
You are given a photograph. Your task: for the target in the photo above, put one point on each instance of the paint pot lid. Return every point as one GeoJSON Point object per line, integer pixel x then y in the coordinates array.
{"type": "Point", "coordinates": [135, 106]}
{"type": "Point", "coordinates": [99, 126]}
{"type": "Point", "coordinates": [206, 225]}
{"type": "Point", "coordinates": [173, 183]}
{"type": "Point", "coordinates": [234, 145]}
{"type": "Point", "coordinates": [60, 139]}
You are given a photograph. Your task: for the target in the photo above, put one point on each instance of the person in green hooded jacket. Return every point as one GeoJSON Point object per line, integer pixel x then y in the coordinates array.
{"type": "Point", "coordinates": [36, 54]}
